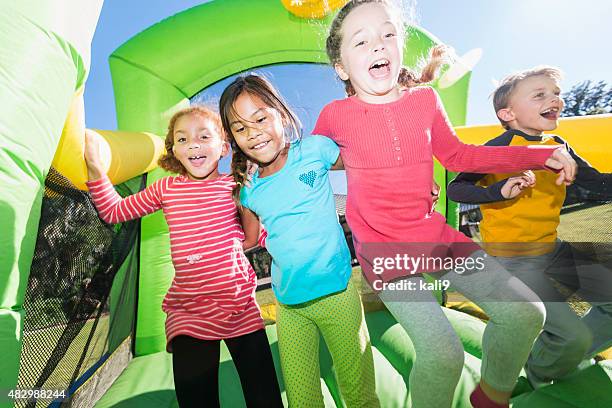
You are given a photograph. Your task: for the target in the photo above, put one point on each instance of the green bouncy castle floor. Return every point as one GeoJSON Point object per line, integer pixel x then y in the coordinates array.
{"type": "Point", "coordinates": [147, 382]}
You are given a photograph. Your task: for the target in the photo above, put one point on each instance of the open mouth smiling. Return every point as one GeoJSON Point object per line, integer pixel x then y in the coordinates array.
{"type": "Point", "coordinates": [196, 160]}
{"type": "Point", "coordinates": [380, 68]}
{"type": "Point", "coordinates": [260, 145]}
{"type": "Point", "coordinates": [551, 113]}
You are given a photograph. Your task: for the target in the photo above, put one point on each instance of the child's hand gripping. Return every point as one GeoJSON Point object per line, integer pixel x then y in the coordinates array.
{"type": "Point", "coordinates": [562, 161]}
{"type": "Point", "coordinates": [515, 185]}
{"type": "Point", "coordinates": [251, 170]}
{"type": "Point", "coordinates": [435, 195]}
{"type": "Point", "coordinates": [95, 168]}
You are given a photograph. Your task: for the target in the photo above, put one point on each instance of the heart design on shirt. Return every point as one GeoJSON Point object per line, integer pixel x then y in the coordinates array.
{"type": "Point", "coordinates": [308, 178]}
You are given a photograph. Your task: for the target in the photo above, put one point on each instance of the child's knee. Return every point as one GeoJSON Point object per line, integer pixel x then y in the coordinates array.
{"type": "Point", "coordinates": [538, 313]}
{"type": "Point", "coordinates": [578, 341]}
{"type": "Point", "coordinates": [530, 315]}
{"type": "Point", "coordinates": [448, 357]}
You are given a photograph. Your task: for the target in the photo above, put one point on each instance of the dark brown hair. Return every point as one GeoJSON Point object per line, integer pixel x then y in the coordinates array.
{"type": "Point", "coordinates": [407, 77]}
{"type": "Point", "coordinates": [255, 85]}
{"type": "Point", "coordinates": [168, 161]}
{"type": "Point", "coordinates": [503, 92]}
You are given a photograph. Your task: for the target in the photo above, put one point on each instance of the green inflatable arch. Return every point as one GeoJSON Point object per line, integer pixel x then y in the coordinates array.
{"type": "Point", "coordinates": [158, 70]}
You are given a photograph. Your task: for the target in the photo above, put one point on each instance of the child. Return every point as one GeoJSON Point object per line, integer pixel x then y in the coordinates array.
{"type": "Point", "coordinates": [212, 296]}
{"type": "Point", "coordinates": [311, 264]}
{"type": "Point", "coordinates": [527, 103]}
{"type": "Point", "coordinates": [387, 133]}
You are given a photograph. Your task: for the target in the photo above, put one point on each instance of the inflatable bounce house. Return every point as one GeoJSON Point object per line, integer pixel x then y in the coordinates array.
{"type": "Point", "coordinates": [80, 301]}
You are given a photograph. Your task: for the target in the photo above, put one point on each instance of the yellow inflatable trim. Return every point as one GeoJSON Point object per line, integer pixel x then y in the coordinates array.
{"type": "Point", "coordinates": [125, 154]}
{"type": "Point", "coordinates": [312, 8]}
{"type": "Point", "coordinates": [589, 136]}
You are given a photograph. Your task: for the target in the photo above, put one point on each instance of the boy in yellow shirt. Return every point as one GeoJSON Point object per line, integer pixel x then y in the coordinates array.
{"type": "Point", "coordinates": [519, 226]}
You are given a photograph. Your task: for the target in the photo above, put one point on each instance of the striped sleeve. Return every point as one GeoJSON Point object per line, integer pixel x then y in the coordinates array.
{"type": "Point", "coordinates": [113, 209]}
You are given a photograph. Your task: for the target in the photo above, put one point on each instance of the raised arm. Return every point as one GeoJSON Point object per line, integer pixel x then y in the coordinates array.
{"type": "Point", "coordinates": [111, 207]}
{"type": "Point", "coordinates": [95, 169]}
{"type": "Point", "coordinates": [458, 156]}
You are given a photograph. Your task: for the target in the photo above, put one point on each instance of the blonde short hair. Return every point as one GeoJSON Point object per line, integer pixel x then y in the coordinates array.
{"type": "Point", "coordinates": [501, 94]}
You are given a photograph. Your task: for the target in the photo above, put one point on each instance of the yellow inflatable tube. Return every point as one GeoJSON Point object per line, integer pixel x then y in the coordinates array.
{"type": "Point", "coordinates": [589, 136]}
{"type": "Point", "coordinates": [124, 154]}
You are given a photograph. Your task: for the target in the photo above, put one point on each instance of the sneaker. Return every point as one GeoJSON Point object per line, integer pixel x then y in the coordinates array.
{"type": "Point", "coordinates": [586, 364]}
{"type": "Point", "coordinates": [522, 386]}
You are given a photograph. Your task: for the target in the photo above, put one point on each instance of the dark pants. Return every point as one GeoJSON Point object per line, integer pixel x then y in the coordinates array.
{"type": "Point", "coordinates": [195, 364]}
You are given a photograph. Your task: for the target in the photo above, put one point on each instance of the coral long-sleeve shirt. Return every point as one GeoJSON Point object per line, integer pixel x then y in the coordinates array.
{"type": "Point", "coordinates": [388, 151]}
{"type": "Point", "coordinates": [212, 295]}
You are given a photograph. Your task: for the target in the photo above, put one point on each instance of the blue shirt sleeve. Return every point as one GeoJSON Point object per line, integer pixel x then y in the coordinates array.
{"type": "Point", "coordinates": [327, 148]}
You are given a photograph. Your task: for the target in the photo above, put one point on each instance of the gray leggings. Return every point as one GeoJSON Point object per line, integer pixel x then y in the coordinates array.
{"type": "Point", "coordinates": [516, 318]}
{"type": "Point", "coordinates": [566, 339]}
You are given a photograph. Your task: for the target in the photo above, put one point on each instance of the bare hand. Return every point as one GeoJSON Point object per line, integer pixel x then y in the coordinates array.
{"type": "Point", "coordinates": [561, 160]}
{"type": "Point", "coordinates": [515, 185]}
{"type": "Point", "coordinates": [435, 194]}
{"type": "Point", "coordinates": [95, 169]}
{"type": "Point", "coordinates": [251, 170]}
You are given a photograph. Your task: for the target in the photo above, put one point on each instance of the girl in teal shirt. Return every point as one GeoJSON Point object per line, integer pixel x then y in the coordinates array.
{"type": "Point", "coordinates": [311, 269]}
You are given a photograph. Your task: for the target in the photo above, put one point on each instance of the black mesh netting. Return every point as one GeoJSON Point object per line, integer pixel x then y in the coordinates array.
{"type": "Point", "coordinates": [68, 324]}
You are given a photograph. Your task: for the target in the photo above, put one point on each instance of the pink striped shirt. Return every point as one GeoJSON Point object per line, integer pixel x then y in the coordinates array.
{"type": "Point", "coordinates": [212, 295]}
{"type": "Point", "coordinates": [388, 151]}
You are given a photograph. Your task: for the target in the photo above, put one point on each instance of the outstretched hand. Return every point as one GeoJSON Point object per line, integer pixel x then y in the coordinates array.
{"type": "Point", "coordinates": [515, 185]}
{"type": "Point", "coordinates": [561, 160]}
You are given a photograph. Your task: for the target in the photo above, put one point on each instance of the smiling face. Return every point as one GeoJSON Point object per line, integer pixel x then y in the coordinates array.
{"type": "Point", "coordinates": [534, 105]}
{"type": "Point", "coordinates": [198, 146]}
{"type": "Point", "coordinates": [259, 132]}
{"type": "Point", "coordinates": [371, 53]}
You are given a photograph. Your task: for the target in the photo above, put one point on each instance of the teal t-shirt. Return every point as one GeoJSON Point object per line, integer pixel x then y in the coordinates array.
{"type": "Point", "coordinates": [310, 257]}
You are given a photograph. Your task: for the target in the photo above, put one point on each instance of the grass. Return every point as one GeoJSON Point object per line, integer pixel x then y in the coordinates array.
{"type": "Point", "coordinates": [38, 347]}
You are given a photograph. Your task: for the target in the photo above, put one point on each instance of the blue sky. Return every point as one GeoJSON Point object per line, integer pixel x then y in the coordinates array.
{"type": "Point", "coordinates": [513, 35]}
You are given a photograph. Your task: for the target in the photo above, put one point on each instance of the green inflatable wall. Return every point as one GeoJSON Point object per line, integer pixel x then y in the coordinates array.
{"type": "Point", "coordinates": [43, 61]}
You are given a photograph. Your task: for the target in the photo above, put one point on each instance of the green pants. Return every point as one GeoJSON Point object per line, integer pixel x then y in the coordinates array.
{"type": "Point", "coordinates": [339, 318]}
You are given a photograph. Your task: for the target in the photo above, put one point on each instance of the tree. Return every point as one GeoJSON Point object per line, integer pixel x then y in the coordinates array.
{"type": "Point", "coordinates": [588, 98]}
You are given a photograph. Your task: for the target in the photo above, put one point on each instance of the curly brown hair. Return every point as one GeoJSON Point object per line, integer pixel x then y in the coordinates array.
{"type": "Point", "coordinates": [407, 77]}
{"type": "Point", "coordinates": [168, 161]}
